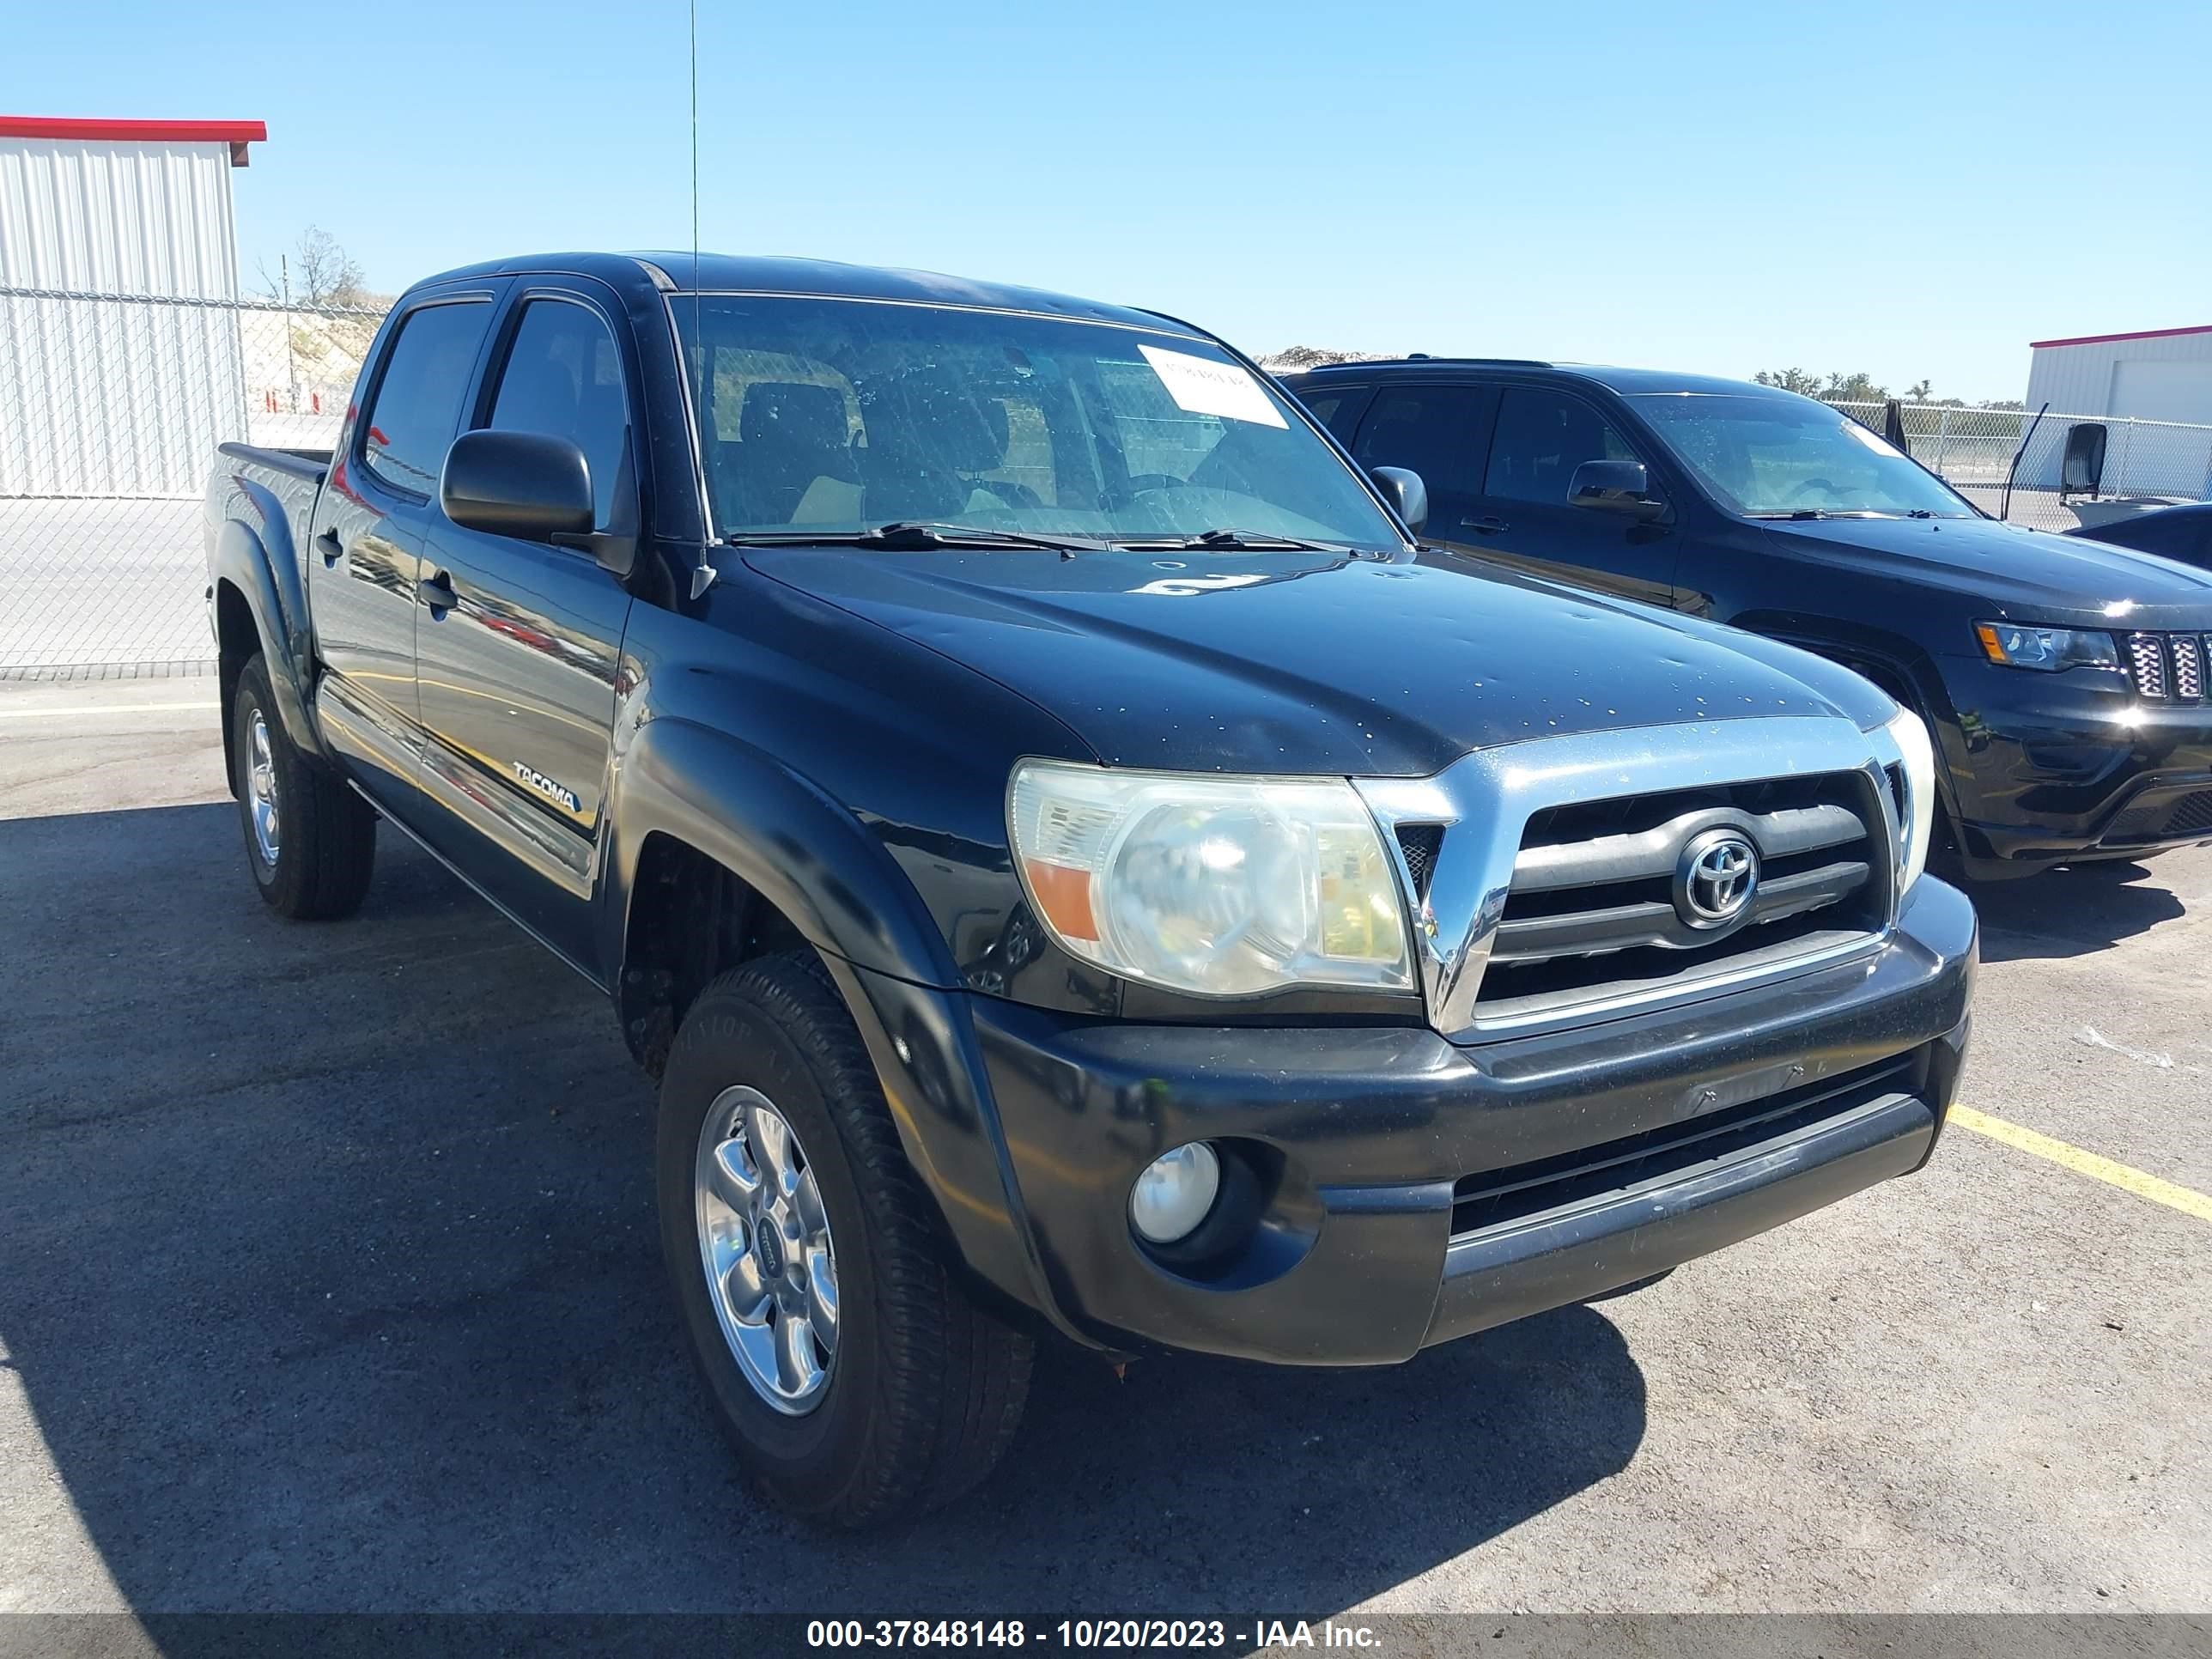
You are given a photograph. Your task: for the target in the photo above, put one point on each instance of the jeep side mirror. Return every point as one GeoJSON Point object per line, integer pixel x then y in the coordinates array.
{"type": "Point", "coordinates": [1614, 487]}
{"type": "Point", "coordinates": [1408, 496]}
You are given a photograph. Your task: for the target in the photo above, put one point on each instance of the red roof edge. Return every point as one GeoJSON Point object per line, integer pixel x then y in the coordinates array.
{"type": "Point", "coordinates": [2139, 334]}
{"type": "Point", "coordinates": [237, 134]}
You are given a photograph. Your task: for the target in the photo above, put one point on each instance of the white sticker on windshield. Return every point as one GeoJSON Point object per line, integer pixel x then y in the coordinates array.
{"type": "Point", "coordinates": [1205, 388]}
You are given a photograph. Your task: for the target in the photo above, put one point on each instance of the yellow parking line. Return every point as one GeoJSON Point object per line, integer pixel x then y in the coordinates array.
{"type": "Point", "coordinates": [73, 711]}
{"type": "Point", "coordinates": [2089, 1163]}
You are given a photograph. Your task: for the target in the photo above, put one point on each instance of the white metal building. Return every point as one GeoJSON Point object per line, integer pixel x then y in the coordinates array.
{"type": "Point", "coordinates": [2158, 374]}
{"type": "Point", "coordinates": [124, 394]}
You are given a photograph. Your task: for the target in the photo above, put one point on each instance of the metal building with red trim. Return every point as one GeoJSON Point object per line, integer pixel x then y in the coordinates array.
{"type": "Point", "coordinates": [124, 395]}
{"type": "Point", "coordinates": [2143, 374]}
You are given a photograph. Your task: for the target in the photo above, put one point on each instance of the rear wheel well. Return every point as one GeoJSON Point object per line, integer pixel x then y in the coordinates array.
{"type": "Point", "coordinates": [238, 638]}
{"type": "Point", "coordinates": [690, 918]}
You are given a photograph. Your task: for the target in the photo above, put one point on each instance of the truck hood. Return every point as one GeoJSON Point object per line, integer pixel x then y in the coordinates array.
{"type": "Point", "coordinates": [1298, 663]}
{"type": "Point", "coordinates": [2012, 572]}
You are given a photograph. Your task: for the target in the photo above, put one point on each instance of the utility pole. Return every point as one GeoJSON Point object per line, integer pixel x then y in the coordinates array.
{"type": "Point", "coordinates": [291, 366]}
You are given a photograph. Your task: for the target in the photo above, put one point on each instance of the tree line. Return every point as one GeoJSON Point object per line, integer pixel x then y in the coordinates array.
{"type": "Point", "coordinates": [1862, 388]}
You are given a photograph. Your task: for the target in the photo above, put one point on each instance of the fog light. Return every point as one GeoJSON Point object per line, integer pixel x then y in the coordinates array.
{"type": "Point", "coordinates": [1175, 1193]}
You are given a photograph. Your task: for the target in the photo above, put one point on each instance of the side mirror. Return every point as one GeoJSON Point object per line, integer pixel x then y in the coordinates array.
{"type": "Point", "coordinates": [1403, 487]}
{"type": "Point", "coordinates": [2082, 469]}
{"type": "Point", "coordinates": [1614, 487]}
{"type": "Point", "coordinates": [527, 484]}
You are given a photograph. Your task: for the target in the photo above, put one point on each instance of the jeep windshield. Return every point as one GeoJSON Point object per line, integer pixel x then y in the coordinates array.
{"type": "Point", "coordinates": [835, 419]}
{"type": "Point", "coordinates": [1789, 458]}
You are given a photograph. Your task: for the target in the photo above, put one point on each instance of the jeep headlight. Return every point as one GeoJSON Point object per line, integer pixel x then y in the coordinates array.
{"type": "Point", "coordinates": [1917, 817]}
{"type": "Point", "coordinates": [2052, 650]}
{"type": "Point", "coordinates": [1218, 886]}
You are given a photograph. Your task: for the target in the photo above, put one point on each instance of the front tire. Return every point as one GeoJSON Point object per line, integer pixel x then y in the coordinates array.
{"type": "Point", "coordinates": [857, 1381]}
{"type": "Point", "coordinates": [310, 842]}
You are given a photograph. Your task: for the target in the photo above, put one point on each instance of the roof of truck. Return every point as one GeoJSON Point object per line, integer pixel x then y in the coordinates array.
{"type": "Point", "coordinates": [710, 273]}
{"type": "Point", "coordinates": [1626, 381]}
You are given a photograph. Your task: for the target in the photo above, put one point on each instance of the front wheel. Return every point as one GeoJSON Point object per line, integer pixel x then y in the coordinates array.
{"type": "Point", "coordinates": [310, 842]}
{"type": "Point", "coordinates": [856, 1379]}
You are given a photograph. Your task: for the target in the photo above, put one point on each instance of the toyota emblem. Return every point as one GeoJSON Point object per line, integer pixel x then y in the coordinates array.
{"type": "Point", "coordinates": [1716, 877]}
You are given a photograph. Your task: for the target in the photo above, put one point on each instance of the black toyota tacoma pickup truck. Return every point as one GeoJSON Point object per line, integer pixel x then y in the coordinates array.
{"type": "Point", "coordinates": [1073, 864]}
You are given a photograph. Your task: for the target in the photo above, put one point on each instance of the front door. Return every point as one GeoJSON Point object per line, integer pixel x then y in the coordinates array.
{"type": "Point", "coordinates": [519, 642]}
{"type": "Point", "coordinates": [1524, 520]}
{"type": "Point", "coordinates": [1439, 431]}
{"type": "Point", "coordinates": [363, 560]}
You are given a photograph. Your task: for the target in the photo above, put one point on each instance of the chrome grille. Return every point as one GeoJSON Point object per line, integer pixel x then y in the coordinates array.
{"type": "Point", "coordinates": [2188, 667]}
{"type": "Point", "coordinates": [2147, 658]}
{"type": "Point", "coordinates": [1598, 901]}
{"type": "Point", "coordinates": [2170, 667]}
{"type": "Point", "coordinates": [1560, 832]}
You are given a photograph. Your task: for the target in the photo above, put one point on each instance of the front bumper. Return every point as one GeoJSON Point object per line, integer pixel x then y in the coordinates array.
{"type": "Point", "coordinates": [2063, 768]}
{"type": "Point", "coordinates": [1421, 1191]}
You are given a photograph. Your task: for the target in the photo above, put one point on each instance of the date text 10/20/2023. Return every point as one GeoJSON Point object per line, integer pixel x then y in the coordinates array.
{"type": "Point", "coordinates": [1286, 1634]}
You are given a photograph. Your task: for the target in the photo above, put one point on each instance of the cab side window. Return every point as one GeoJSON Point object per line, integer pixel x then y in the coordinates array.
{"type": "Point", "coordinates": [1542, 437]}
{"type": "Point", "coordinates": [418, 402]}
{"type": "Point", "coordinates": [1337, 409]}
{"type": "Point", "coordinates": [1431, 430]}
{"type": "Point", "coordinates": [563, 377]}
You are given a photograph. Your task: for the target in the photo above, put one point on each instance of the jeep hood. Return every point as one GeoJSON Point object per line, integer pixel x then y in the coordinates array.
{"type": "Point", "coordinates": [1299, 663]}
{"type": "Point", "coordinates": [2011, 573]}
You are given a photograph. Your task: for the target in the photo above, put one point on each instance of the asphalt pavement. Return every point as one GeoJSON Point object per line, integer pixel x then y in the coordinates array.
{"type": "Point", "coordinates": [328, 1280]}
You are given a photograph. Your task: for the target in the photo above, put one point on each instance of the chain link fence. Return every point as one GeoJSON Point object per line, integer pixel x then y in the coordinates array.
{"type": "Point", "coordinates": [111, 408]}
{"type": "Point", "coordinates": [1972, 450]}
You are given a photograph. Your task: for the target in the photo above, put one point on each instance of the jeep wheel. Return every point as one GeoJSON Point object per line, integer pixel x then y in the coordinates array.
{"type": "Point", "coordinates": [856, 1379]}
{"type": "Point", "coordinates": [310, 841]}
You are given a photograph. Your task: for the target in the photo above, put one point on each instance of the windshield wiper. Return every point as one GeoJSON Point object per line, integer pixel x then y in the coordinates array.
{"type": "Point", "coordinates": [1830, 513]}
{"type": "Point", "coordinates": [1244, 541]}
{"type": "Point", "coordinates": [911, 535]}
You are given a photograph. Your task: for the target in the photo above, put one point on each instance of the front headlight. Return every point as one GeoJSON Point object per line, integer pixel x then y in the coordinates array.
{"type": "Point", "coordinates": [2050, 649]}
{"type": "Point", "coordinates": [1218, 886]}
{"type": "Point", "coordinates": [1910, 733]}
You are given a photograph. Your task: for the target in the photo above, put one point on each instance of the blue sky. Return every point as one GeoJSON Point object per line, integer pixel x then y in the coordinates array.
{"type": "Point", "coordinates": [1910, 190]}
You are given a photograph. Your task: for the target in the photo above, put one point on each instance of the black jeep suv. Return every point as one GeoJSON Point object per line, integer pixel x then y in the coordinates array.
{"type": "Point", "coordinates": [2065, 682]}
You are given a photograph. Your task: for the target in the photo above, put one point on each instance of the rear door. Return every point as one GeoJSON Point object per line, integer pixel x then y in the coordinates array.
{"type": "Point", "coordinates": [518, 643]}
{"type": "Point", "coordinates": [364, 559]}
{"type": "Point", "coordinates": [1437, 428]}
{"type": "Point", "coordinates": [1542, 433]}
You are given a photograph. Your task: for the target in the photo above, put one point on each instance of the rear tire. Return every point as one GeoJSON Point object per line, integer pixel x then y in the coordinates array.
{"type": "Point", "coordinates": [920, 1391]}
{"type": "Point", "coordinates": [310, 841]}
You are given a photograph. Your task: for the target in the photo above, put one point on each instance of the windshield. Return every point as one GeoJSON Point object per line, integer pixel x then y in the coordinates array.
{"type": "Point", "coordinates": [838, 416]}
{"type": "Point", "coordinates": [1776, 457]}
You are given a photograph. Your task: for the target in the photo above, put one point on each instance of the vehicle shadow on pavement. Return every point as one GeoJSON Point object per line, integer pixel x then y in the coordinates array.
{"type": "Point", "coordinates": [2070, 912]}
{"type": "Point", "coordinates": [331, 1281]}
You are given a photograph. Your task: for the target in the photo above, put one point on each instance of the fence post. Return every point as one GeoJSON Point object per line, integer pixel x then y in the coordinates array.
{"type": "Point", "coordinates": [1942, 441]}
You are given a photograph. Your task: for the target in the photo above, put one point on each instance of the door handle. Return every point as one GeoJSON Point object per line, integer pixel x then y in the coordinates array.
{"type": "Point", "coordinates": [437, 590]}
{"type": "Point", "coordinates": [1485, 527]}
{"type": "Point", "coordinates": [330, 547]}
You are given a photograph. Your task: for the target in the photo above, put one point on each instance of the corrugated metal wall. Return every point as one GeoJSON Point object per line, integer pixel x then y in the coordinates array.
{"type": "Point", "coordinates": [2082, 379]}
{"type": "Point", "coordinates": [116, 399]}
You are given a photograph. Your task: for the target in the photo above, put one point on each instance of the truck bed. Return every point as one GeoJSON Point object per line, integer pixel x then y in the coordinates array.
{"type": "Point", "coordinates": [301, 463]}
